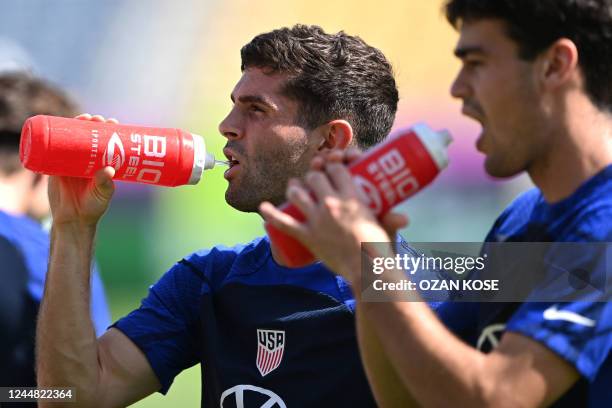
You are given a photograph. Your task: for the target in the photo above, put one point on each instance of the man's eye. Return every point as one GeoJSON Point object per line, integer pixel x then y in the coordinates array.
{"type": "Point", "coordinates": [254, 108]}
{"type": "Point", "coordinates": [472, 63]}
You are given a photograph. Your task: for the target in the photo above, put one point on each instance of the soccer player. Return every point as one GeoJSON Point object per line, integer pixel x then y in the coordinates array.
{"type": "Point", "coordinates": [264, 334]}
{"type": "Point", "coordinates": [24, 243]}
{"type": "Point", "coordinates": [536, 75]}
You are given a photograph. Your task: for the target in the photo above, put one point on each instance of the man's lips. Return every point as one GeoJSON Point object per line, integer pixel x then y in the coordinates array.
{"type": "Point", "coordinates": [231, 172]}
{"type": "Point", "coordinates": [231, 156]}
{"type": "Point", "coordinates": [234, 163]}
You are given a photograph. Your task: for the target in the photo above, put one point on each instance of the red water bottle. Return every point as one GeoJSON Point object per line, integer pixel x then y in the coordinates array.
{"type": "Point", "coordinates": [408, 160]}
{"type": "Point", "coordinates": [78, 148]}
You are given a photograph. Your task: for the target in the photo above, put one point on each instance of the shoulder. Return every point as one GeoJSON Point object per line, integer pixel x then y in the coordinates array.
{"type": "Point", "coordinates": [591, 219]}
{"type": "Point", "coordinates": [586, 214]}
{"type": "Point", "coordinates": [593, 225]}
{"type": "Point", "coordinates": [214, 264]}
{"type": "Point", "coordinates": [23, 231]}
{"type": "Point", "coordinates": [32, 242]}
{"type": "Point", "coordinates": [222, 253]}
{"type": "Point", "coordinates": [7, 227]}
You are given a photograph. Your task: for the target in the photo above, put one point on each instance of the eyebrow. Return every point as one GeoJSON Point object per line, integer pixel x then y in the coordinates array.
{"type": "Point", "coordinates": [462, 52]}
{"type": "Point", "coordinates": [255, 99]}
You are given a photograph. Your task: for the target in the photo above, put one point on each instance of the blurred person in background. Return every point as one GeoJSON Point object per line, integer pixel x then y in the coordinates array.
{"type": "Point", "coordinates": [24, 242]}
{"type": "Point", "coordinates": [264, 334]}
{"type": "Point", "coordinates": [536, 75]}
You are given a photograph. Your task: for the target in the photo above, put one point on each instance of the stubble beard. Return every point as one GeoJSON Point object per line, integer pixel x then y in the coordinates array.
{"type": "Point", "coordinates": [267, 177]}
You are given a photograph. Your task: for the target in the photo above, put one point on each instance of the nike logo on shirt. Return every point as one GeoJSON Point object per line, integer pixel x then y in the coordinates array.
{"type": "Point", "coordinates": [553, 313]}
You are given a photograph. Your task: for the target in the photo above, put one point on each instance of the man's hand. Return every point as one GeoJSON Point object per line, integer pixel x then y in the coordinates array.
{"type": "Point", "coordinates": [337, 217]}
{"type": "Point", "coordinates": [79, 200]}
{"type": "Point", "coordinates": [391, 222]}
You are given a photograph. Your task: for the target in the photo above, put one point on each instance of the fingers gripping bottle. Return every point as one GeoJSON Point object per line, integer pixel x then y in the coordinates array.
{"type": "Point", "coordinates": [387, 174]}
{"type": "Point", "coordinates": [78, 148]}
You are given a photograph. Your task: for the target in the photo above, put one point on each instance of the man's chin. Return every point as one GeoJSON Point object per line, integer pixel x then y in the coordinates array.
{"type": "Point", "coordinates": [250, 204]}
{"type": "Point", "coordinates": [243, 204]}
{"type": "Point", "coordinates": [500, 170]}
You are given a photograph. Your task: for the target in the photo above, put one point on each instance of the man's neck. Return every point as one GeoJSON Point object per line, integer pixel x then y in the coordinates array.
{"type": "Point", "coordinates": [582, 149]}
{"type": "Point", "coordinates": [11, 197]}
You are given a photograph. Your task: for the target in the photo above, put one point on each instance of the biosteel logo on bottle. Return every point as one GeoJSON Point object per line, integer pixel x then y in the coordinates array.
{"type": "Point", "coordinates": [408, 160]}
{"type": "Point", "coordinates": [78, 148]}
{"type": "Point", "coordinates": [145, 158]}
{"type": "Point", "coordinates": [115, 154]}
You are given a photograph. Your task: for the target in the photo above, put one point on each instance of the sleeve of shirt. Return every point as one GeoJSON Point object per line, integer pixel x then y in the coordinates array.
{"type": "Point", "coordinates": [578, 330]}
{"type": "Point", "coordinates": [166, 326]}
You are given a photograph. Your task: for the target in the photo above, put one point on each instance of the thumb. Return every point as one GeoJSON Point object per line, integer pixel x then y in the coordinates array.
{"type": "Point", "coordinates": [103, 183]}
{"type": "Point", "coordinates": [392, 222]}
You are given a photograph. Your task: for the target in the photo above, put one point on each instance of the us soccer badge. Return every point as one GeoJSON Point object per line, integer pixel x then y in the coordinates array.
{"type": "Point", "coordinates": [270, 348]}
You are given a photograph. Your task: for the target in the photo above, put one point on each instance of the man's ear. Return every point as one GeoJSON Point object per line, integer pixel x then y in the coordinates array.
{"type": "Point", "coordinates": [559, 64]}
{"type": "Point", "coordinates": [338, 134]}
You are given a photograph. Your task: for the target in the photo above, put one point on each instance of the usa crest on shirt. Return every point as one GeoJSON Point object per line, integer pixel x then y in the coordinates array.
{"type": "Point", "coordinates": [270, 349]}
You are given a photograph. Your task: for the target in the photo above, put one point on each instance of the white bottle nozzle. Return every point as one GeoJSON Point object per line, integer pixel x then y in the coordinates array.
{"type": "Point", "coordinates": [445, 136]}
{"type": "Point", "coordinates": [435, 142]}
{"type": "Point", "coordinates": [201, 159]}
{"type": "Point", "coordinates": [209, 161]}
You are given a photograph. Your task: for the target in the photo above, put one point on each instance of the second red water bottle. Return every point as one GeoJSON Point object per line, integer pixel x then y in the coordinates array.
{"type": "Point", "coordinates": [387, 174]}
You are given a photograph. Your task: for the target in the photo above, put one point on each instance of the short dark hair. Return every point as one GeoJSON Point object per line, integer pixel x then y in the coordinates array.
{"type": "Point", "coordinates": [535, 25]}
{"type": "Point", "coordinates": [332, 76]}
{"type": "Point", "coordinates": [21, 96]}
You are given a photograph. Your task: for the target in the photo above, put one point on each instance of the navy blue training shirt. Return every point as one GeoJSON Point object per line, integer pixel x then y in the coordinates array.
{"type": "Point", "coordinates": [263, 333]}
{"type": "Point", "coordinates": [580, 331]}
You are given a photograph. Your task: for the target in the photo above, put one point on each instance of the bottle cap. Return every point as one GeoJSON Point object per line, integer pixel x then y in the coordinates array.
{"type": "Point", "coordinates": [200, 159]}
{"type": "Point", "coordinates": [435, 142]}
{"type": "Point", "coordinates": [34, 142]}
{"type": "Point", "coordinates": [445, 136]}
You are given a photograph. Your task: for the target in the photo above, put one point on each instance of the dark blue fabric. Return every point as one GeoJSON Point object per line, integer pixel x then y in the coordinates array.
{"type": "Point", "coordinates": [24, 252]}
{"type": "Point", "coordinates": [32, 241]}
{"type": "Point", "coordinates": [208, 308]}
{"type": "Point", "coordinates": [585, 216]}
{"type": "Point", "coordinates": [13, 275]}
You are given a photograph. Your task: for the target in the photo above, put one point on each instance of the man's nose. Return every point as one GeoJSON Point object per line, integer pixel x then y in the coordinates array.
{"type": "Point", "coordinates": [230, 126]}
{"type": "Point", "coordinates": [459, 87]}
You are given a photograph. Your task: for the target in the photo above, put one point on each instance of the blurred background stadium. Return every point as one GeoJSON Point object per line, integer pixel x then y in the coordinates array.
{"type": "Point", "coordinates": [173, 64]}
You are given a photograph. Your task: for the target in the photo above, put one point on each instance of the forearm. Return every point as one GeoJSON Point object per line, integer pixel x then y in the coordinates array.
{"type": "Point", "coordinates": [384, 380]}
{"type": "Point", "coordinates": [435, 366]}
{"type": "Point", "coordinates": [66, 342]}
